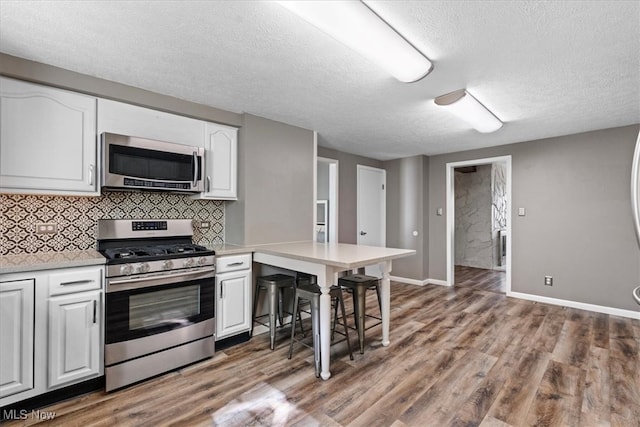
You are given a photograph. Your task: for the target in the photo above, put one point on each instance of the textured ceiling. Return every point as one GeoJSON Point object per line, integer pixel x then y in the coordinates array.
{"type": "Point", "coordinates": [545, 68]}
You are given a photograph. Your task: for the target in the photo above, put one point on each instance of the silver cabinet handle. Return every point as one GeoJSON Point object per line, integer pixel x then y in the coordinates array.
{"type": "Point", "coordinates": [196, 168]}
{"type": "Point", "coordinates": [221, 289]}
{"type": "Point", "coordinates": [91, 172]}
{"type": "Point", "coordinates": [75, 282]}
{"type": "Point", "coordinates": [208, 184]}
{"type": "Point", "coordinates": [95, 309]}
{"type": "Point", "coordinates": [363, 233]}
{"type": "Point", "coordinates": [235, 264]}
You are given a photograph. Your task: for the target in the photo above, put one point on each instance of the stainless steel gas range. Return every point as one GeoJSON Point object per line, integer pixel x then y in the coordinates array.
{"type": "Point", "coordinates": [159, 298]}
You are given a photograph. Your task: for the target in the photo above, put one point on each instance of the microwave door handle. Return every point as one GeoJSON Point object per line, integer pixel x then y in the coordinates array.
{"type": "Point", "coordinates": [196, 168]}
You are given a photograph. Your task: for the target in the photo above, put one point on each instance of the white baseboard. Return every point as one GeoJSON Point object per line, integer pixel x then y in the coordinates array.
{"type": "Point", "coordinates": [438, 282]}
{"type": "Point", "coordinates": [579, 305]}
{"type": "Point", "coordinates": [408, 281]}
{"type": "Point", "coordinates": [419, 282]}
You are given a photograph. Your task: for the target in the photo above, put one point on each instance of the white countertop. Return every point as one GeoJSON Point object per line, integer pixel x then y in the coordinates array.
{"type": "Point", "coordinates": [342, 255]}
{"type": "Point", "coordinates": [230, 249]}
{"type": "Point", "coordinates": [49, 260]}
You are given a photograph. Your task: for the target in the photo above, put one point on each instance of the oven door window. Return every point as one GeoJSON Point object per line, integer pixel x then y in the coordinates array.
{"type": "Point", "coordinates": [143, 312]}
{"type": "Point", "coordinates": [151, 164]}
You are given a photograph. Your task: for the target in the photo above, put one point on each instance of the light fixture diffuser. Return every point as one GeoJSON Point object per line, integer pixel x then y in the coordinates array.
{"type": "Point", "coordinates": [462, 104]}
{"type": "Point", "coordinates": [358, 27]}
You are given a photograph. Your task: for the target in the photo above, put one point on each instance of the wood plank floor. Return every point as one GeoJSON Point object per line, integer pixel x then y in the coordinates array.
{"type": "Point", "coordinates": [458, 357]}
{"type": "Point", "coordinates": [479, 278]}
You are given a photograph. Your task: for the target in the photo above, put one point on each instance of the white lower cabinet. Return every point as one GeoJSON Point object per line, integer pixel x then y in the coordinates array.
{"type": "Point", "coordinates": [51, 330]}
{"type": "Point", "coordinates": [233, 295]}
{"type": "Point", "coordinates": [74, 337]}
{"type": "Point", "coordinates": [16, 336]}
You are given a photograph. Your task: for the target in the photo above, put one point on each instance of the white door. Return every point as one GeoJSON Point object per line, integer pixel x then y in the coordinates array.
{"type": "Point", "coordinates": [371, 206]}
{"type": "Point", "coordinates": [372, 202]}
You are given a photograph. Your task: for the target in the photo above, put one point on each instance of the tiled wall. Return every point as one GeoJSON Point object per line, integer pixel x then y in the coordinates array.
{"type": "Point", "coordinates": [77, 218]}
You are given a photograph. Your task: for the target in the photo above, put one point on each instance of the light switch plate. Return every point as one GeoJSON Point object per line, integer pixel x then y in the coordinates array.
{"type": "Point", "coordinates": [522, 212]}
{"type": "Point", "coordinates": [439, 211]}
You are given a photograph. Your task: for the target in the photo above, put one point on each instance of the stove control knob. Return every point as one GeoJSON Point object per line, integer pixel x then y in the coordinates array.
{"type": "Point", "coordinates": [126, 269]}
{"type": "Point", "coordinates": [167, 265]}
{"type": "Point", "coordinates": [202, 261]}
{"type": "Point", "coordinates": [143, 267]}
{"type": "Point", "coordinates": [189, 262]}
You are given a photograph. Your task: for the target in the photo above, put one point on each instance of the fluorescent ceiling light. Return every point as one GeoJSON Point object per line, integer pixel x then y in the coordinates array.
{"type": "Point", "coordinates": [469, 109]}
{"type": "Point", "coordinates": [355, 25]}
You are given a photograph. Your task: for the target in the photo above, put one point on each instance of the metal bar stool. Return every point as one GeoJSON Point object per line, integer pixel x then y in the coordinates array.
{"type": "Point", "coordinates": [275, 286]}
{"type": "Point", "coordinates": [311, 293]}
{"type": "Point", "coordinates": [358, 284]}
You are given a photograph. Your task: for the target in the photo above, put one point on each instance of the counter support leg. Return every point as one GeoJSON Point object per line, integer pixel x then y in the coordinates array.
{"type": "Point", "coordinates": [325, 284]}
{"type": "Point", "coordinates": [385, 296]}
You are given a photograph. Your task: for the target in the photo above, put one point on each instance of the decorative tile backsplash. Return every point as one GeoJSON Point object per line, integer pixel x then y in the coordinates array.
{"type": "Point", "coordinates": [77, 217]}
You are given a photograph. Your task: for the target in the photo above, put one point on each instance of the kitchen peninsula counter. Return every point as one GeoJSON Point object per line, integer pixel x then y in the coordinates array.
{"type": "Point", "coordinates": [326, 261]}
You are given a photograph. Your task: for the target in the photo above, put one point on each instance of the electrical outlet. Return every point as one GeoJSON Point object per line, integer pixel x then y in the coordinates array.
{"type": "Point", "coordinates": [205, 224]}
{"type": "Point", "coordinates": [548, 280]}
{"type": "Point", "coordinates": [46, 228]}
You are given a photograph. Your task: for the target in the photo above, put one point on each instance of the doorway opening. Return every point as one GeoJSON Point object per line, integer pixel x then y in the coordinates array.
{"type": "Point", "coordinates": [326, 223]}
{"type": "Point", "coordinates": [479, 224]}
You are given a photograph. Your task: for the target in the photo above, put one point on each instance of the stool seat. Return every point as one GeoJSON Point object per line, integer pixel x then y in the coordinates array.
{"type": "Point", "coordinates": [274, 285]}
{"type": "Point", "coordinates": [358, 285]}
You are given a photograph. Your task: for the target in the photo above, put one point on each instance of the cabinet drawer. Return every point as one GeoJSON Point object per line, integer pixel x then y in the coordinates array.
{"type": "Point", "coordinates": [75, 280]}
{"type": "Point", "coordinates": [233, 263]}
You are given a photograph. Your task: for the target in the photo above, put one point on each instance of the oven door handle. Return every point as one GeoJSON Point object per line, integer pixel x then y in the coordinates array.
{"type": "Point", "coordinates": [144, 282]}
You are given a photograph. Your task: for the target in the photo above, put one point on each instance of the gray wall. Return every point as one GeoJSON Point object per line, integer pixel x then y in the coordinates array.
{"type": "Point", "coordinates": [348, 185]}
{"type": "Point", "coordinates": [407, 204]}
{"type": "Point", "coordinates": [578, 227]}
{"type": "Point", "coordinates": [53, 76]}
{"type": "Point", "coordinates": [275, 186]}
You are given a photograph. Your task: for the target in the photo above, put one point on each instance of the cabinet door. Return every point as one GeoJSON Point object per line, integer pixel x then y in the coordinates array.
{"type": "Point", "coordinates": [16, 336]}
{"type": "Point", "coordinates": [221, 158]}
{"type": "Point", "coordinates": [131, 120]}
{"type": "Point", "coordinates": [233, 292]}
{"type": "Point", "coordinates": [47, 140]}
{"type": "Point", "coordinates": [74, 337]}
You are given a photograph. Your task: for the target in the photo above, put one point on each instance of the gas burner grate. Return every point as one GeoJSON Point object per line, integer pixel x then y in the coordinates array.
{"type": "Point", "coordinates": [153, 251]}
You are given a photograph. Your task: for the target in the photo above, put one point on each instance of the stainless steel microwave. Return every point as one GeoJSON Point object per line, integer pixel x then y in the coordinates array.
{"type": "Point", "coordinates": [136, 163]}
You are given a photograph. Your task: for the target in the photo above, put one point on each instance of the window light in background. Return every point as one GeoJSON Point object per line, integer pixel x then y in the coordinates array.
{"type": "Point", "coordinates": [462, 104]}
{"type": "Point", "coordinates": [358, 27]}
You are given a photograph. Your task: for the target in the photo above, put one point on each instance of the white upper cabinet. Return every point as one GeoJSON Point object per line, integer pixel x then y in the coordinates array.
{"type": "Point", "coordinates": [47, 140]}
{"type": "Point", "coordinates": [131, 120]}
{"type": "Point", "coordinates": [221, 163]}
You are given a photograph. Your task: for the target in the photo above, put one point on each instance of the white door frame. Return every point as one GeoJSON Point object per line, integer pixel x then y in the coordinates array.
{"type": "Point", "coordinates": [383, 213]}
{"type": "Point", "coordinates": [333, 197]}
{"type": "Point", "coordinates": [451, 196]}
